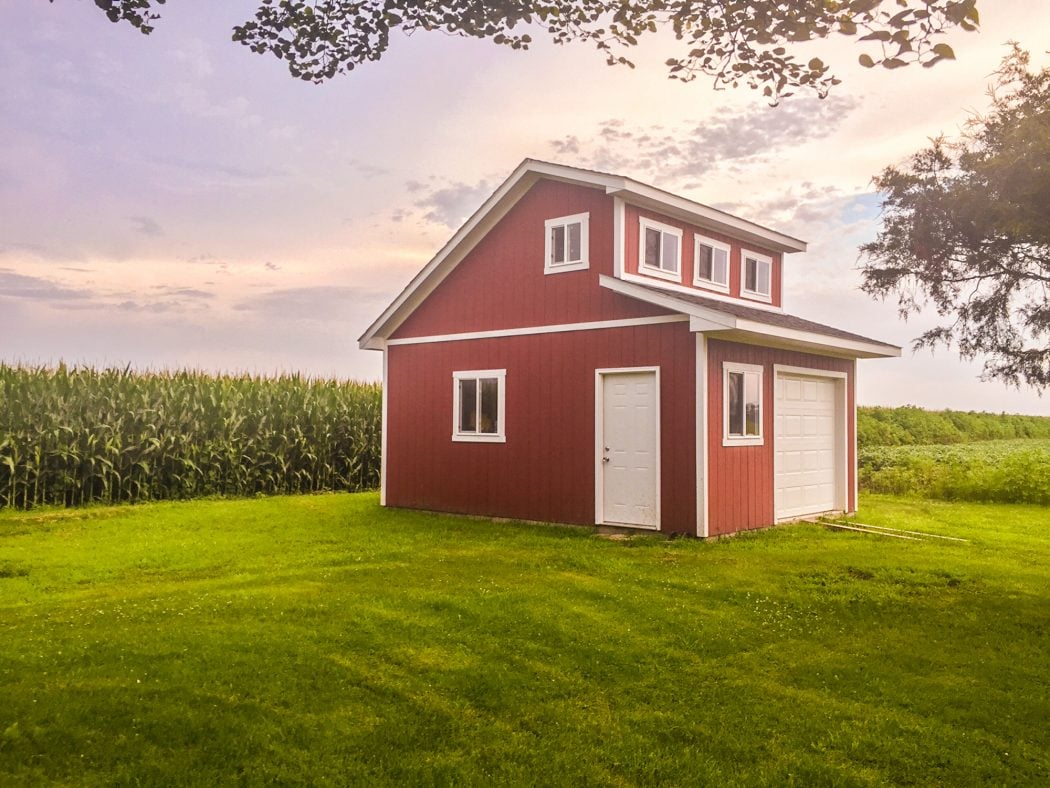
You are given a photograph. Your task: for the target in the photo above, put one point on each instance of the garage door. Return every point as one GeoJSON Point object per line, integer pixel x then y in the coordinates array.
{"type": "Point", "coordinates": [808, 444]}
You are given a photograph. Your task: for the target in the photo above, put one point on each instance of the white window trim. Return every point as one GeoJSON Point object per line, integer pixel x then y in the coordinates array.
{"type": "Point", "coordinates": [749, 440]}
{"type": "Point", "coordinates": [755, 295]}
{"type": "Point", "coordinates": [583, 263]}
{"type": "Point", "coordinates": [643, 225]}
{"type": "Point", "coordinates": [710, 284]}
{"type": "Point", "coordinates": [475, 437]}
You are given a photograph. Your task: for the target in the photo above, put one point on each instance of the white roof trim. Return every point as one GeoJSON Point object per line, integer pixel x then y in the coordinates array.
{"type": "Point", "coordinates": [726, 326]}
{"type": "Point", "coordinates": [512, 189]}
{"type": "Point", "coordinates": [702, 215]}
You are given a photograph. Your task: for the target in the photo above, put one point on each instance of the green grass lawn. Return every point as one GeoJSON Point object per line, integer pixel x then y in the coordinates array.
{"type": "Point", "coordinates": [323, 639]}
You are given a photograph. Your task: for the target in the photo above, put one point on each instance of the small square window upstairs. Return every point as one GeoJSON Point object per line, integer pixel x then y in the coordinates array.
{"type": "Point", "coordinates": [710, 264]}
{"type": "Point", "coordinates": [659, 250]}
{"type": "Point", "coordinates": [756, 276]}
{"type": "Point", "coordinates": [478, 406]}
{"type": "Point", "coordinates": [566, 244]}
{"type": "Point", "coordinates": [742, 404]}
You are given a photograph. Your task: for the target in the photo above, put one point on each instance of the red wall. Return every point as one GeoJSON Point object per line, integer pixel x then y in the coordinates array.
{"type": "Point", "coordinates": [740, 486]}
{"type": "Point", "coordinates": [631, 234]}
{"type": "Point", "coordinates": [545, 470]}
{"type": "Point", "coordinates": [501, 284]}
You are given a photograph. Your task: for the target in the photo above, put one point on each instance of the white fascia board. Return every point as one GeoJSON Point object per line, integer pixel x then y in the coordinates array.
{"type": "Point", "coordinates": [810, 340]}
{"type": "Point", "coordinates": [726, 326]}
{"type": "Point", "coordinates": [714, 320]}
{"type": "Point", "coordinates": [702, 215]}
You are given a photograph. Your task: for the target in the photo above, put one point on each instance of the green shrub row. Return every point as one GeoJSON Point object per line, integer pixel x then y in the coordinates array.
{"type": "Point", "coordinates": [993, 472]}
{"type": "Point", "coordinates": [909, 425]}
{"type": "Point", "coordinates": [70, 436]}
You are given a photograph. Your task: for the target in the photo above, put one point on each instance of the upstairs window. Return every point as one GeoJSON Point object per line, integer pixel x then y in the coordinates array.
{"type": "Point", "coordinates": [742, 403]}
{"type": "Point", "coordinates": [660, 250]}
{"type": "Point", "coordinates": [566, 244]}
{"type": "Point", "coordinates": [478, 406]}
{"type": "Point", "coordinates": [710, 263]}
{"type": "Point", "coordinates": [756, 276]}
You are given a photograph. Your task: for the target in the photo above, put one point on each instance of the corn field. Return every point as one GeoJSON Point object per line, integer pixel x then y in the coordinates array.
{"type": "Point", "coordinates": [72, 436]}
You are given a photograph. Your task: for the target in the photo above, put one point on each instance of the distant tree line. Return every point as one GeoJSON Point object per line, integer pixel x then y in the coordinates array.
{"type": "Point", "coordinates": [909, 425]}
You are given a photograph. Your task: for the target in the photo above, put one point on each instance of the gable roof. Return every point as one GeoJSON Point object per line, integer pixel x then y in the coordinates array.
{"type": "Point", "coordinates": [514, 188]}
{"type": "Point", "coordinates": [743, 323]}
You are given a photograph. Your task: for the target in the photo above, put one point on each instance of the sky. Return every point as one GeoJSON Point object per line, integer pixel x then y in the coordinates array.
{"type": "Point", "coordinates": [174, 200]}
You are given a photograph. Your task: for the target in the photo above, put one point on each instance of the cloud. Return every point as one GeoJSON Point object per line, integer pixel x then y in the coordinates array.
{"type": "Point", "coordinates": [450, 205]}
{"type": "Point", "coordinates": [37, 250]}
{"type": "Point", "coordinates": [35, 288]}
{"type": "Point", "coordinates": [146, 225]}
{"type": "Point", "coordinates": [681, 153]}
{"type": "Point", "coordinates": [167, 291]}
{"type": "Point", "coordinates": [321, 303]}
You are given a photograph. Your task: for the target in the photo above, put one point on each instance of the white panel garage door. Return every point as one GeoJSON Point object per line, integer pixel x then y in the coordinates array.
{"type": "Point", "coordinates": [808, 445]}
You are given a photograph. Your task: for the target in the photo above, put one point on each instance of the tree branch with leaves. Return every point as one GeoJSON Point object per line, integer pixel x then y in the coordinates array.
{"type": "Point", "coordinates": [966, 229]}
{"type": "Point", "coordinates": [735, 42]}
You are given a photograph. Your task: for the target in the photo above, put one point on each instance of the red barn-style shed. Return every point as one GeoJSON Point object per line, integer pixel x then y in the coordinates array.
{"type": "Point", "coordinates": [590, 349]}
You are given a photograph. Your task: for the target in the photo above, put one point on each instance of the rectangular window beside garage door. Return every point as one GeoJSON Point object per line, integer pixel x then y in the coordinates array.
{"type": "Point", "coordinates": [742, 404]}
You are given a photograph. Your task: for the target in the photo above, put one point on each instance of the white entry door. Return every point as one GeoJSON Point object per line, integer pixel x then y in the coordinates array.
{"type": "Point", "coordinates": [810, 463]}
{"type": "Point", "coordinates": [629, 448]}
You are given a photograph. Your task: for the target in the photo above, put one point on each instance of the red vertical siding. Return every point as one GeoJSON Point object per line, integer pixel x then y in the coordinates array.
{"type": "Point", "coordinates": [501, 284]}
{"type": "Point", "coordinates": [545, 470]}
{"type": "Point", "coordinates": [631, 258]}
{"type": "Point", "coordinates": [741, 477]}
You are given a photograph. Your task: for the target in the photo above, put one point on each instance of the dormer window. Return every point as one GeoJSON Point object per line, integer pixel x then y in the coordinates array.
{"type": "Point", "coordinates": [710, 264]}
{"type": "Point", "coordinates": [756, 275]}
{"type": "Point", "coordinates": [566, 244]}
{"type": "Point", "coordinates": [660, 250]}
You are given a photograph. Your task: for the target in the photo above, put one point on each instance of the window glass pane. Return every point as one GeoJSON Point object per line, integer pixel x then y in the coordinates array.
{"type": "Point", "coordinates": [763, 277]}
{"type": "Point", "coordinates": [489, 405]}
{"type": "Point", "coordinates": [703, 261]}
{"type": "Point", "coordinates": [652, 247]}
{"type": "Point", "coordinates": [575, 253]}
{"type": "Point", "coordinates": [670, 258]}
{"type": "Point", "coordinates": [753, 409]}
{"type": "Point", "coordinates": [558, 244]}
{"type": "Point", "coordinates": [720, 267]}
{"type": "Point", "coordinates": [751, 274]}
{"type": "Point", "coordinates": [735, 390]}
{"type": "Point", "coordinates": [468, 405]}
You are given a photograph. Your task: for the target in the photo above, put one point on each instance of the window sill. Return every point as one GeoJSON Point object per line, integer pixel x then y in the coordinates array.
{"type": "Point", "coordinates": [560, 268]}
{"type": "Point", "coordinates": [479, 438]}
{"type": "Point", "coordinates": [670, 276]}
{"type": "Point", "coordinates": [753, 296]}
{"type": "Point", "coordinates": [712, 286]}
{"type": "Point", "coordinates": [759, 441]}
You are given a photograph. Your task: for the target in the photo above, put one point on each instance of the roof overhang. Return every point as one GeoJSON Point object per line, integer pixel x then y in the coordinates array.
{"type": "Point", "coordinates": [722, 325]}
{"type": "Point", "coordinates": [514, 188]}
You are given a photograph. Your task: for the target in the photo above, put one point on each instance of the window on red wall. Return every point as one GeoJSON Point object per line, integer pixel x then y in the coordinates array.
{"type": "Point", "coordinates": [565, 248]}
{"type": "Point", "coordinates": [660, 250]}
{"type": "Point", "coordinates": [711, 263]}
{"type": "Point", "coordinates": [742, 404]}
{"type": "Point", "coordinates": [757, 276]}
{"type": "Point", "coordinates": [479, 405]}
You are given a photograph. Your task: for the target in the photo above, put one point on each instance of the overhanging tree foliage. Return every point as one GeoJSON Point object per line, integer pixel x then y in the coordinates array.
{"type": "Point", "coordinates": [733, 41]}
{"type": "Point", "coordinates": [966, 227]}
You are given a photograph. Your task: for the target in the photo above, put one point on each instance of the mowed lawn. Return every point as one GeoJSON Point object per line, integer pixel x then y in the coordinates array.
{"type": "Point", "coordinates": [325, 640]}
